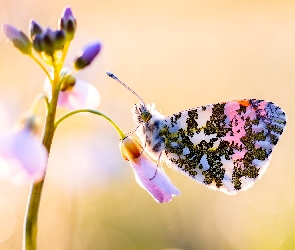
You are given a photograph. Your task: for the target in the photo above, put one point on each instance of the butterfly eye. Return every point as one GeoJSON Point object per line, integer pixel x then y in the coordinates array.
{"type": "Point", "coordinates": [146, 116]}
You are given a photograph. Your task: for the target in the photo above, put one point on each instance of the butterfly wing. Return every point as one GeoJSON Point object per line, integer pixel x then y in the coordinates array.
{"type": "Point", "coordinates": [225, 146]}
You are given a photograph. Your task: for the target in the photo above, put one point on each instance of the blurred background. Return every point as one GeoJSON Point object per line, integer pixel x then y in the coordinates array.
{"type": "Point", "coordinates": [179, 55]}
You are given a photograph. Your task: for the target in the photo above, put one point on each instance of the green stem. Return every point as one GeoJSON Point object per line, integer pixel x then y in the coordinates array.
{"type": "Point", "coordinates": [120, 132]}
{"type": "Point", "coordinates": [31, 216]}
{"type": "Point", "coordinates": [65, 51]}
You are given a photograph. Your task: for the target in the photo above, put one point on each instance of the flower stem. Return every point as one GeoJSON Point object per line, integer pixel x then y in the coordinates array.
{"type": "Point", "coordinates": [65, 51]}
{"type": "Point", "coordinates": [32, 211]}
{"type": "Point", "coordinates": [120, 132]}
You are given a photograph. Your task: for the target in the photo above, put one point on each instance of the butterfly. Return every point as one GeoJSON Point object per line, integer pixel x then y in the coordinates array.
{"type": "Point", "coordinates": [225, 146]}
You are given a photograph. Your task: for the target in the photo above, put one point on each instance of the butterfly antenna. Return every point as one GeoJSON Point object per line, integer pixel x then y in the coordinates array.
{"type": "Point", "coordinates": [111, 75]}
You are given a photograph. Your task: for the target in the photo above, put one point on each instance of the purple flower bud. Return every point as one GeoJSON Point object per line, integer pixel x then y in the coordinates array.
{"type": "Point", "coordinates": [68, 23]}
{"type": "Point", "coordinates": [59, 39]}
{"type": "Point", "coordinates": [18, 38]}
{"type": "Point", "coordinates": [68, 14]}
{"type": "Point", "coordinates": [37, 43]}
{"type": "Point", "coordinates": [48, 40]}
{"type": "Point", "coordinates": [86, 56]}
{"type": "Point", "coordinates": [34, 29]}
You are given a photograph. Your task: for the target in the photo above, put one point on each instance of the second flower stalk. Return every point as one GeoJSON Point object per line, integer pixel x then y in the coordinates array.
{"type": "Point", "coordinates": [48, 48]}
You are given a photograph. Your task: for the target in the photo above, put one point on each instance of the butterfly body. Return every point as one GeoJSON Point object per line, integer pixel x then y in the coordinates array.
{"type": "Point", "coordinates": [224, 146]}
{"type": "Point", "coordinates": [149, 129]}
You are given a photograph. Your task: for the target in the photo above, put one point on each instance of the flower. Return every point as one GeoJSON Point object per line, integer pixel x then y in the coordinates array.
{"type": "Point", "coordinates": [18, 38]}
{"type": "Point", "coordinates": [22, 157]}
{"type": "Point", "coordinates": [147, 174]}
{"type": "Point", "coordinates": [75, 93]}
{"type": "Point", "coordinates": [86, 55]}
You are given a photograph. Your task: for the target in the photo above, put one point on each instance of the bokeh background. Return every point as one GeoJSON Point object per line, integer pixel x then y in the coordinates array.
{"type": "Point", "coordinates": [179, 55]}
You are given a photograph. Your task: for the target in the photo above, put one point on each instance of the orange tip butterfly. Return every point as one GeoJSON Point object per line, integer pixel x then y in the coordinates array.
{"type": "Point", "coordinates": [225, 146]}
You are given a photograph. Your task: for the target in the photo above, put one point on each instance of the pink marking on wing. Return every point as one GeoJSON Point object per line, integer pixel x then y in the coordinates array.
{"type": "Point", "coordinates": [239, 154]}
{"type": "Point", "coordinates": [230, 109]}
{"type": "Point", "coordinates": [236, 121]}
{"type": "Point", "coordinates": [236, 139]}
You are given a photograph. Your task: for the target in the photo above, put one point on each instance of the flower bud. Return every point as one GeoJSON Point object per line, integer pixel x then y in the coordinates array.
{"type": "Point", "coordinates": [68, 23]}
{"type": "Point", "coordinates": [48, 40]}
{"type": "Point", "coordinates": [18, 38]}
{"type": "Point", "coordinates": [130, 148]}
{"type": "Point", "coordinates": [37, 43]}
{"type": "Point", "coordinates": [69, 82]}
{"type": "Point", "coordinates": [59, 39]}
{"type": "Point", "coordinates": [86, 56]}
{"type": "Point", "coordinates": [34, 29]}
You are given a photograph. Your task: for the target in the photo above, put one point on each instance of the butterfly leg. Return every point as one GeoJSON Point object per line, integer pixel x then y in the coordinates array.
{"type": "Point", "coordinates": [157, 166]}
{"type": "Point", "coordinates": [144, 144]}
{"type": "Point", "coordinates": [132, 131]}
{"type": "Point", "coordinates": [144, 141]}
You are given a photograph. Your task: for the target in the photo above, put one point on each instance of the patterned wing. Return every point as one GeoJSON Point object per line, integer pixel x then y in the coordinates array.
{"type": "Point", "coordinates": [225, 146]}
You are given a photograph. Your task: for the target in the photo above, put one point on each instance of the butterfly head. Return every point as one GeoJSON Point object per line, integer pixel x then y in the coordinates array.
{"type": "Point", "coordinates": [146, 116]}
{"type": "Point", "coordinates": [141, 113]}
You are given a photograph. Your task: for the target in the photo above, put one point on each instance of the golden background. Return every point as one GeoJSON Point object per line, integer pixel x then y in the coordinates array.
{"type": "Point", "coordinates": [179, 55]}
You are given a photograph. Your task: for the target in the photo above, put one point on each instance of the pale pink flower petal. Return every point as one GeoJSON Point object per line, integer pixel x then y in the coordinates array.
{"type": "Point", "coordinates": [22, 157]}
{"type": "Point", "coordinates": [153, 179]}
{"type": "Point", "coordinates": [82, 95]}
{"type": "Point", "coordinates": [147, 174]}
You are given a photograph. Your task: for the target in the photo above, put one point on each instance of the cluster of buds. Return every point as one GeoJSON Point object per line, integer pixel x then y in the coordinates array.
{"type": "Point", "coordinates": [52, 44]}
{"type": "Point", "coordinates": [43, 41]}
{"type": "Point", "coordinates": [46, 41]}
